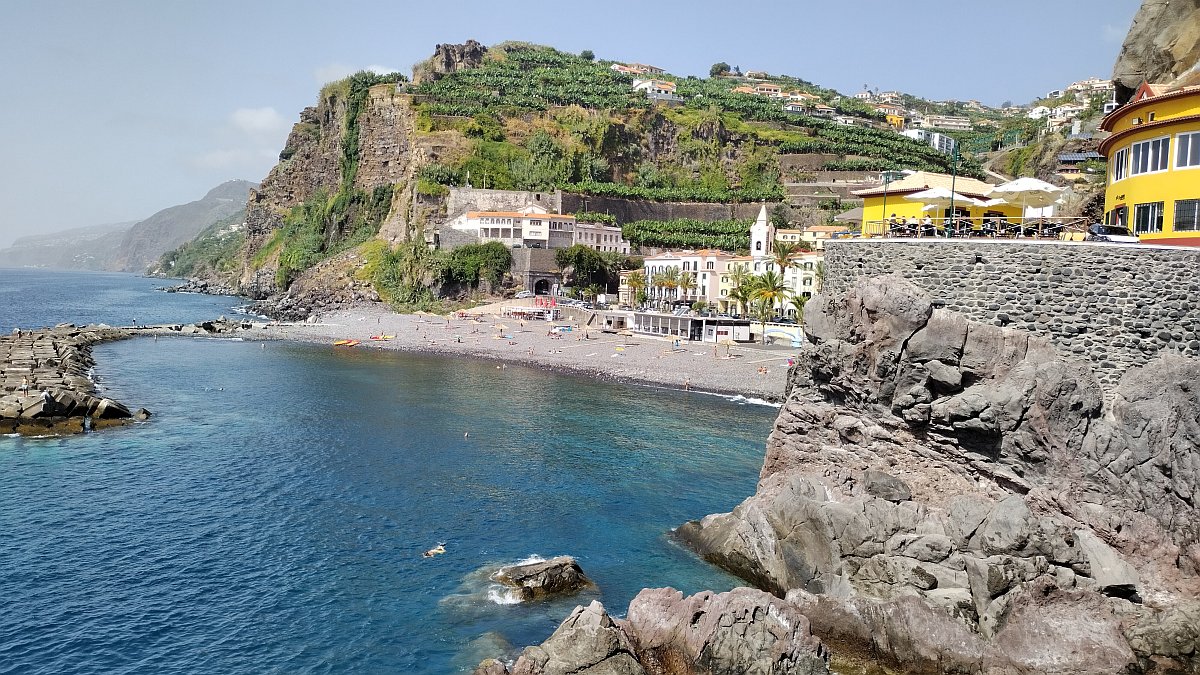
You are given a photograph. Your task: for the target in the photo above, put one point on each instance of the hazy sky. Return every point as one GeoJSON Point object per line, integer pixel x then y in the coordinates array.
{"type": "Point", "coordinates": [113, 110]}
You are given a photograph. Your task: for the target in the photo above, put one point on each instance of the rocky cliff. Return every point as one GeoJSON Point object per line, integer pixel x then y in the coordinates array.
{"type": "Point", "coordinates": [1162, 46]}
{"type": "Point", "coordinates": [951, 496]}
{"type": "Point", "coordinates": [147, 240]}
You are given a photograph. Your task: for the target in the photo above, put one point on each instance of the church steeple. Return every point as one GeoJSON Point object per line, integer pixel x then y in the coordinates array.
{"type": "Point", "coordinates": [762, 235]}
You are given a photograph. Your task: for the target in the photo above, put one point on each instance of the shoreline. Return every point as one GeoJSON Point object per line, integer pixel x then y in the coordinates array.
{"type": "Point", "coordinates": [702, 368]}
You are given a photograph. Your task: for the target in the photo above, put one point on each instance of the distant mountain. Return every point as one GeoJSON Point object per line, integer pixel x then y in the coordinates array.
{"type": "Point", "coordinates": [145, 242]}
{"type": "Point", "coordinates": [81, 248]}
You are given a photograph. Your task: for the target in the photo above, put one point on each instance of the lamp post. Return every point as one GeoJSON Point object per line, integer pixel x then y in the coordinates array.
{"type": "Point", "coordinates": [887, 179]}
{"type": "Point", "coordinates": [953, 176]}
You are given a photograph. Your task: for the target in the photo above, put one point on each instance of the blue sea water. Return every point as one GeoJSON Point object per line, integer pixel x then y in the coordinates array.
{"type": "Point", "coordinates": [270, 516]}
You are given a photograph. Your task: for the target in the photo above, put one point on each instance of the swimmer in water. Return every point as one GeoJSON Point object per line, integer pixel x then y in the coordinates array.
{"type": "Point", "coordinates": [436, 550]}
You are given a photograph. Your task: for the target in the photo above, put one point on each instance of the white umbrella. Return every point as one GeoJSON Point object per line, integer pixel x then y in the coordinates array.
{"type": "Point", "coordinates": [940, 197]}
{"type": "Point", "coordinates": [1027, 192]}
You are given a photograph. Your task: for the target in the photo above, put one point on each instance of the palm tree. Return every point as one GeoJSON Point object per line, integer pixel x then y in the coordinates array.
{"type": "Point", "coordinates": [797, 302]}
{"type": "Point", "coordinates": [739, 275]}
{"type": "Point", "coordinates": [670, 278]}
{"type": "Point", "coordinates": [781, 254]}
{"type": "Point", "coordinates": [637, 284]}
{"type": "Point", "coordinates": [771, 288]}
{"type": "Point", "coordinates": [763, 311]}
{"type": "Point", "coordinates": [687, 283]}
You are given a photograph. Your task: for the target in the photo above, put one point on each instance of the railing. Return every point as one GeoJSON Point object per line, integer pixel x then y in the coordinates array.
{"type": "Point", "coordinates": [1063, 229]}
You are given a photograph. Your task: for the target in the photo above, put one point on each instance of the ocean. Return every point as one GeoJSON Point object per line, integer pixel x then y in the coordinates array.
{"type": "Point", "coordinates": [270, 516]}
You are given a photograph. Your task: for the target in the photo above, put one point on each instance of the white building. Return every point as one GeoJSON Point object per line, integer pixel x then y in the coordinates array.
{"type": "Point", "coordinates": [535, 227]}
{"type": "Point", "coordinates": [940, 141]}
{"type": "Point", "coordinates": [703, 267]}
{"type": "Point", "coordinates": [1038, 113]}
{"type": "Point", "coordinates": [601, 237]}
{"type": "Point", "coordinates": [951, 122]}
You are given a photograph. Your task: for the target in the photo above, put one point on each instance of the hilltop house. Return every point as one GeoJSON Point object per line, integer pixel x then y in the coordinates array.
{"type": "Point", "coordinates": [767, 89]}
{"type": "Point", "coordinates": [951, 122]}
{"type": "Point", "coordinates": [658, 90]}
{"type": "Point", "coordinates": [744, 89]}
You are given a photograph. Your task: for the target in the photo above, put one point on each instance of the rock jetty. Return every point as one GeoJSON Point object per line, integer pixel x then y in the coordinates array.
{"type": "Point", "coordinates": [45, 386]}
{"type": "Point", "coordinates": [44, 383]}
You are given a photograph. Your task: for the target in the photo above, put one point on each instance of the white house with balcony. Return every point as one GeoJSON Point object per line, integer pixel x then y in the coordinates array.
{"type": "Point", "coordinates": [530, 227]}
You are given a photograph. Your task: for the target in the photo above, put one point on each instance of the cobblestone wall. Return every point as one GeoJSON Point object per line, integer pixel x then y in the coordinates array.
{"type": "Point", "coordinates": [1116, 305]}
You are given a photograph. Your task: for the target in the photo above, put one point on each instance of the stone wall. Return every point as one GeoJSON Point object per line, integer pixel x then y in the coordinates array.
{"type": "Point", "coordinates": [1118, 306]}
{"type": "Point", "coordinates": [461, 200]}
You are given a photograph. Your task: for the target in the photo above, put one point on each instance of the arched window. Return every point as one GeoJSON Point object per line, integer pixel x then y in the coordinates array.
{"type": "Point", "coordinates": [758, 246]}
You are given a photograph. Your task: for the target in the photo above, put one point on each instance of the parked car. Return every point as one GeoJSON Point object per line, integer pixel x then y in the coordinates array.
{"type": "Point", "coordinates": [524, 294]}
{"type": "Point", "coordinates": [1112, 234]}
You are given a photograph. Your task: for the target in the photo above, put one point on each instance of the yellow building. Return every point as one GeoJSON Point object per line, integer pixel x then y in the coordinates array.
{"type": "Point", "coordinates": [883, 202]}
{"type": "Point", "coordinates": [1154, 165]}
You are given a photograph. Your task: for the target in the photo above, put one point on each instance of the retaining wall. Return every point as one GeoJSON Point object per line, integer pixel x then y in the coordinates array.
{"type": "Point", "coordinates": [1117, 305]}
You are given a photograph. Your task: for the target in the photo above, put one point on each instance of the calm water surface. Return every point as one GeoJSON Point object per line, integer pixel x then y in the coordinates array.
{"type": "Point", "coordinates": [271, 515]}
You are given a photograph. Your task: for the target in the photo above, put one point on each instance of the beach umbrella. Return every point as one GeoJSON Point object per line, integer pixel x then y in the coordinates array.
{"type": "Point", "coordinates": [1027, 192]}
{"type": "Point", "coordinates": [940, 198]}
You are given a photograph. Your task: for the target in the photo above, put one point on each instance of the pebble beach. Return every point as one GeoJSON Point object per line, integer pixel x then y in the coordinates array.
{"type": "Point", "coordinates": [751, 371]}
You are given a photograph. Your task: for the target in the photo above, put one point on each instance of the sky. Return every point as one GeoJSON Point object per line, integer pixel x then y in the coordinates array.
{"type": "Point", "coordinates": [114, 110]}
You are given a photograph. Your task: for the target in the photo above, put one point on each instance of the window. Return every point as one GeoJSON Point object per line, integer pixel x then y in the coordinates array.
{"type": "Point", "coordinates": [758, 246]}
{"type": "Point", "coordinates": [1120, 164]}
{"type": "Point", "coordinates": [1150, 117]}
{"type": "Point", "coordinates": [1187, 150]}
{"type": "Point", "coordinates": [1118, 217]}
{"type": "Point", "coordinates": [1187, 215]}
{"type": "Point", "coordinates": [1149, 156]}
{"type": "Point", "coordinates": [1147, 218]}
{"type": "Point", "coordinates": [709, 265]}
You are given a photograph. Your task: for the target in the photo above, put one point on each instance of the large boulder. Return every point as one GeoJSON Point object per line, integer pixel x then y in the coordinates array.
{"type": "Point", "coordinates": [558, 576]}
{"type": "Point", "coordinates": [589, 641]}
{"type": "Point", "coordinates": [742, 631]}
{"type": "Point", "coordinates": [1162, 45]}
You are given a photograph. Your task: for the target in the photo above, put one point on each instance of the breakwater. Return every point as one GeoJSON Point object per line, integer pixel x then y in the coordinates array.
{"type": "Point", "coordinates": [45, 387]}
{"type": "Point", "coordinates": [1117, 306]}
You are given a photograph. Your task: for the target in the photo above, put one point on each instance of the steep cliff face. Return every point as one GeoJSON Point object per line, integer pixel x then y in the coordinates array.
{"type": "Point", "coordinates": [1162, 45]}
{"type": "Point", "coordinates": [315, 162]}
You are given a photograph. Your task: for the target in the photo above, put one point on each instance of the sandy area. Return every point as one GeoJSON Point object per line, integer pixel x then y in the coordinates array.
{"type": "Point", "coordinates": [696, 366]}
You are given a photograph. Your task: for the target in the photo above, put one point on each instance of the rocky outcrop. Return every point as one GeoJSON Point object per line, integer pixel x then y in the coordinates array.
{"type": "Point", "coordinates": [1163, 45]}
{"type": "Point", "coordinates": [558, 576]}
{"type": "Point", "coordinates": [957, 496]}
{"type": "Point", "coordinates": [449, 59]}
{"type": "Point", "coordinates": [742, 631]}
{"type": "Point", "coordinates": [201, 287]}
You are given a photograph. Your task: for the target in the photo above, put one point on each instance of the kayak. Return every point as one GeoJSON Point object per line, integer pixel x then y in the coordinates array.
{"type": "Point", "coordinates": [345, 343]}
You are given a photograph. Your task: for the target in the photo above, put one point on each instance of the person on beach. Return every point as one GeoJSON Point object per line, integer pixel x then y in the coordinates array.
{"type": "Point", "coordinates": [24, 388]}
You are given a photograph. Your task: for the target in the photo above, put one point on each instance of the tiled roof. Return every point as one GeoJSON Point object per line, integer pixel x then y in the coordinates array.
{"type": "Point", "coordinates": [923, 180]}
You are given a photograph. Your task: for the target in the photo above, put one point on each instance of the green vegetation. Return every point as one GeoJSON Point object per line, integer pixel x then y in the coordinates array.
{"type": "Point", "coordinates": [518, 77]}
{"type": "Point", "coordinates": [468, 265]}
{"type": "Point", "coordinates": [593, 217]}
{"type": "Point", "coordinates": [727, 235]}
{"type": "Point", "coordinates": [325, 225]}
{"type": "Point", "coordinates": [213, 251]}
